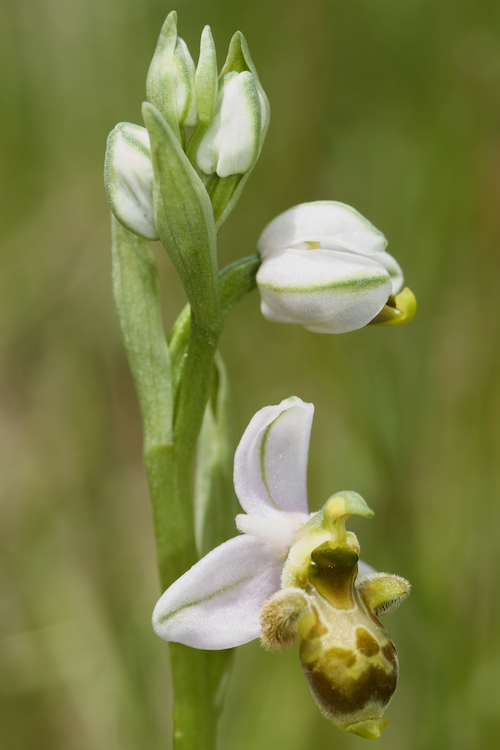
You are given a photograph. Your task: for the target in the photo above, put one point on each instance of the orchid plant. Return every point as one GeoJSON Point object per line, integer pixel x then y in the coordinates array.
{"type": "Point", "coordinates": [289, 575]}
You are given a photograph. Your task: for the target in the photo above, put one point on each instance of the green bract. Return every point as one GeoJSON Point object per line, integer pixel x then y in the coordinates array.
{"type": "Point", "coordinates": [184, 219]}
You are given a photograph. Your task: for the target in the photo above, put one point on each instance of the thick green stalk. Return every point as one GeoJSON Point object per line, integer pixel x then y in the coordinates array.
{"type": "Point", "coordinates": [170, 436]}
{"type": "Point", "coordinates": [197, 675]}
{"type": "Point", "coordinates": [235, 281]}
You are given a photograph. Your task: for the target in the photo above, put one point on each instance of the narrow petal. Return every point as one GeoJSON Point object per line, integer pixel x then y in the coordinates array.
{"type": "Point", "coordinates": [270, 464]}
{"type": "Point", "coordinates": [325, 291]}
{"type": "Point", "coordinates": [216, 604]}
{"type": "Point", "coordinates": [128, 178]}
{"type": "Point", "coordinates": [333, 225]}
{"type": "Point", "coordinates": [395, 271]}
{"type": "Point", "coordinates": [278, 531]}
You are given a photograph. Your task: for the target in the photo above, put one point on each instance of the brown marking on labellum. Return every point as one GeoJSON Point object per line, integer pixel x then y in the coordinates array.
{"type": "Point", "coordinates": [390, 653]}
{"type": "Point", "coordinates": [332, 574]}
{"type": "Point", "coordinates": [339, 695]}
{"type": "Point", "coordinates": [366, 643]}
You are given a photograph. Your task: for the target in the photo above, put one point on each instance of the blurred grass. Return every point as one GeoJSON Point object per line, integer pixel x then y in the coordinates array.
{"type": "Point", "coordinates": [391, 107]}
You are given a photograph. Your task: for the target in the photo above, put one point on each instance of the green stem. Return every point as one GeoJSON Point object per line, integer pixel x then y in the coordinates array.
{"type": "Point", "coordinates": [196, 674]}
{"type": "Point", "coordinates": [172, 408]}
{"type": "Point", "coordinates": [236, 281]}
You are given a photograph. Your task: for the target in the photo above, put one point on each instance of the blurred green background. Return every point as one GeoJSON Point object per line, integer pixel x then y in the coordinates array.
{"type": "Point", "coordinates": [391, 106]}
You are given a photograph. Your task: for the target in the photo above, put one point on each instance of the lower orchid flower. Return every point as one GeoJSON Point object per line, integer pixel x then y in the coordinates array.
{"type": "Point", "coordinates": [293, 575]}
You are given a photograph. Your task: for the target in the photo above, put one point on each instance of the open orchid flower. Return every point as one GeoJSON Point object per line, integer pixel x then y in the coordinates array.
{"type": "Point", "coordinates": [325, 267]}
{"type": "Point", "coordinates": [293, 575]}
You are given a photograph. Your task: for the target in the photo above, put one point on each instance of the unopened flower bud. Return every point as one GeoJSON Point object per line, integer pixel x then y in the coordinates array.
{"type": "Point", "coordinates": [183, 73]}
{"type": "Point", "coordinates": [232, 143]}
{"type": "Point", "coordinates": [128, 179]}
{"type": "Point", "coordinates": [170, 82]}
{"type": "Point", "coordinates": [206, 78]}
{"type": "Point", "coordinates": [324, 266]}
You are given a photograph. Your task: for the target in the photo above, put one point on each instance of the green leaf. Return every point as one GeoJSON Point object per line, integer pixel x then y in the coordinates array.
{"type": "Point", "coordinates": [137, 301]}
{"type": "Point", "coordinates": [184, 220]}
{"type": "Point", "coordinates": [215, 504]}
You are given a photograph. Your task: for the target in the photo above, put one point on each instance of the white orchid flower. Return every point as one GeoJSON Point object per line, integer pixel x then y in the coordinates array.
{"type": "Point", "coordinates": [232, 143]}
{"type": "Point", "coordinates": [128, 179]}
{"type": "Point", "coordinates": [324, 266]}
{"type": "Point", "coordinates": [292, 574]}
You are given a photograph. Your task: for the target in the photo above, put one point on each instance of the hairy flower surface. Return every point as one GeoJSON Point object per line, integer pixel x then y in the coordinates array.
{"type": "Point", "coordinates": [290, 575]}
{"type": "Point", "coordinates": [324, 266]}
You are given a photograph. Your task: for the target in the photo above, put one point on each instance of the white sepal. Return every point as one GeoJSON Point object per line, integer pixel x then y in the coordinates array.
{"type": "Point", "coordinates": [364, 570]}
{"type": "Point", "coordinates": [216, 604]}
{"type": "Point", "coordinates": [270, 463]}
{"type": "Point", "coordinates": [231, 144]}
{"type": "Point", "coordinates": [325, 291]}
{"type": "Point", "coordinates": [334, 225]}
{"type": "Point", "coordinates": [128, 179]}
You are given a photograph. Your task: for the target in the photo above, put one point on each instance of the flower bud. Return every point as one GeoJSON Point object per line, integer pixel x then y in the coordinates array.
{"type": "Point", "coordinates": [183, 73]}
{"type": "Point", "coordinates": [128, 179]}
{"type": "Point", "coordinates": [206, 78]}
{"type": "Point", "coordinates": [170, 83]}
{"type": "Point", "coordinates": [231, 144]}
{"type": "Point", "coordinates": [324, 266]}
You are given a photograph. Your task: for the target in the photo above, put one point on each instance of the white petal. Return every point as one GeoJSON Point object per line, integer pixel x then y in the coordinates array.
{"type": "Point", "coordinates": [394, 269]}
{"type": "Point", "coordinates": [270, 463]}
{"type": "Point", "coordinates": [128, 177]}
{"type": "Point", "coordinates": [325, 291]}
{"type": "Point", "coordinates": [278, 531]}
{"type": "Point", "coordinates": [216, 604]}
{"type": "Point", "coordinates": [333, 225]}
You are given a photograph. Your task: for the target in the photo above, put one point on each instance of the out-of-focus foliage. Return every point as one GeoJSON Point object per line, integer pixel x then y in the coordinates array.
{"type": "Point", "coordinates": [392, 107]}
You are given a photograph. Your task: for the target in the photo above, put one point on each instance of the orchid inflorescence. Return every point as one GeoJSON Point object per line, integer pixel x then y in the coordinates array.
{"type": "Point", "coordinates": [290, 575]}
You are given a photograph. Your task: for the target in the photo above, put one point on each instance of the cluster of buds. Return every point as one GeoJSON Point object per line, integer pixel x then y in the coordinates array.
{"type": "Point", "coordinates": [219, 120]}
{"type": "Point", "coordinates": [324, 266]}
